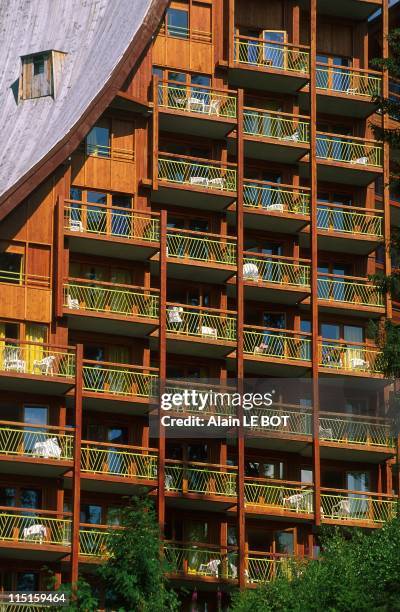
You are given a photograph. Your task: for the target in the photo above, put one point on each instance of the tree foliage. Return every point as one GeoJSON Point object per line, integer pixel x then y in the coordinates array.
{"type": "Point", "coordinates": [359, 571]}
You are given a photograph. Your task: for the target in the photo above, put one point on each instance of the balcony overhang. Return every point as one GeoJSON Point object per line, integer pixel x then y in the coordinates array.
{"type": "Point", "coordinates": [273, 149]}
{"type": "Point", "coordinates": [105, 246]}
{"type": "Point", "coordinates": [39, 384]}
{"type": "Point", "coordinates": [266, 79]}
{"type": "Point", "coordinates": [195, 124]}
{"type": "Point", "coordinates": [131, 326]}
{"type": "Point", "coordinates": [263, 219]}
{"type": "Point", "coordinates": [192, 197]}
{"type": "Point", "coordinates": [342, 172]}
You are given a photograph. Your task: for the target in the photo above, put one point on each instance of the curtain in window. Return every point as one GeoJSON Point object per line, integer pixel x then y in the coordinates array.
{"type": "Point", "coordinates": [34, 333]}
{"type": "Point", "coordinates": [120, 379]}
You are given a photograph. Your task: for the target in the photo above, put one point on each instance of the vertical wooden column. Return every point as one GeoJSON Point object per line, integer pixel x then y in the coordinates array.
{"type": "Point", "coordinates": [314, 260]}
{"type": "Point", "coordinates": [76, 482]}
{"type": "Point", "coordinates": [58, 268]}
{"type": "Point", "coordinates": [154, 161]}
{"type": "Point", "coordinates": [231, 32]}
{"type": "Point", "coordinates": [239, 348]}
{"type": "Point", "coordinates": [386, 153]}
{"type": "Point", "coordinates": [162, 347]}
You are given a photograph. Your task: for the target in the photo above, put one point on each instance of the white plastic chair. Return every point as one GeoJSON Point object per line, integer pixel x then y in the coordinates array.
{"type": "Point", "coordinates": [217, 183]}
{"type": "Point", "coordinates": [49, 449]}
{"type": "Point", "coordinates": [75, 225]}
{"type": "Point", "coordinates": [342, 509]}
{"type": "Point", "coordinates": [12, 360]}
{"type": "Point", "coordinates": [210, 568]}
{"type": "Point", "coordinates": [201, 181]}
{"type": "Point", "coordinates": [35, 531]}
{"type": "Point", "coordinates": [250, 272]}
{"type": "Point", "coordinates": [360, 160]}
{"type": "Point", "coordinates": [45, 365]}
{"type": "Point", "coordinates": [72, 303]}
{"type": "Point", "coordinates": [208, 332]}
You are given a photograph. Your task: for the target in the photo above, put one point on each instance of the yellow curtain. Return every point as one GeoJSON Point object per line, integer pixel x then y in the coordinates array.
{"type": "Point", "coordinates": [34, 333]}
{"type": "Point", "coordinates": [120, 379]}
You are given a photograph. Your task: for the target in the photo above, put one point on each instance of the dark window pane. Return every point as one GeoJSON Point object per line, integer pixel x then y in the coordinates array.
{"type": "Point", "coordinates": [75, 193]}
{"type": "Point", "coordinates": [31, 498]}
{"type": "Point", "coordinates": [122, 200]}
{"type": "Point", "coordinates": [98, 142]}
{"type": "Point", "coordinates": [38, 66]}
{"type": "Point", "coordinates": [200, 79]}
{"type": "Point", "coordinates": [7, 496]}
{"type": "Point", "coordinates": [96, 197]}
{"type": "Point", "coordinates": [10, 268]}
{"type": "Point", "coordinates": [177, 23]}
{"type": "Point", "coordinates": [27, 581]}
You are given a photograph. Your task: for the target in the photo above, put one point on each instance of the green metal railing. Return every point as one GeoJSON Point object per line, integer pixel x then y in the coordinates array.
{"type": "Point", "coordinates": [118, 460]}
{"type": "Point", "coordinates": [110, 298]}
{"type": "Point", "coordinates": [290, 497]}
{"type": "Point", "coordinates": [348, 429]}
{"type": "Point", "coordinates": [40, 442]}
{"type": "Point", "coordinates": [93, 541]}
{"type": "Point", "coordinates": [341, 289]}
{"type": "Point", "coordinates": [267, 54]}
{"type": "Point", "coordinates": [369, 508]}
{"type": "Point", "coordinates": [197, 478]}
{"type": "Point", "coordinates": [352, 357]}
{"type": "Point", "coordinates": [276, 270]}
{"type": "Point", "coordinates": [110, 221]}
{"type": "Point", "coordinates": [217, 404]}
{"type": "Point", "coordinates": [344, 220]}
{"type": "Point", "coordinates": [200, 323]}
{"type": "Point", "coordinates": [36, 358]}
{"type": "Point", "coordinates": [196, 99]}
{"type": "Point", "coordinates": [196, 173]}
{"type": "Point", "coordinates": [349, 149]}
{"type": "Point", "coordinates": [350, 81]}
{"type": "Point", "coordinates": [201, 247]}
{"type": "Point", "coordinates": [34, 527]}
{"type": "Point", "coordinates": [120, 380]}
{"type": "Point", "coordinates": [280, 126]}
{"type": "Point", "coordinates": [199, 561]}
{"type": "Point", "coordinates": [263, 342]}
{"type": "Point", "coordinates": [263, 567]}
{"type": "Point", "coordinates": [273, 197]}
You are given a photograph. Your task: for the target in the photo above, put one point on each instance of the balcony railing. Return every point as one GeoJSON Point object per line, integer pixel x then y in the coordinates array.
{"type": "Point", "coordinates": [283, 127]}
{"type": "Point", "coordinates": [201, 560]}
{"type": "Point", "coordinates": [26, 280]}
{"type": "Point", "coordinates": [276, 197]}
{"type": "Point", "coordinates": [107, 152]}
{"type": "Point", "coordinates": [269, 54]}
{"type": "Point", "coordinates": [199, 246]}
{"type": "Point", "coordinates": [217, 406]}
{"type": "Point", "coordinates": [275, 269]}
{"type": "Point", "coordinates": [350, 220]}
{"type": "Point", "coordinates": [196, 172]}
{"type": "Point", "coordinates": [110, 298]}
{"type": "Point", "coordinates": [292, 497]}
{"type": "Point", "coordinates": [119, 379]}
{"type": "Point", "coordinates": [202, 478]}
{"type": "Point", "coordinates": [333, 427]}
{"type": "Point", "coordinates": [349, 356]}
{"type": "Point", "coordinates": [371, 508]}
{"type": "Point", "coordinates": [197, 99]}
{"type": "Point", "coordinates": [276, 343]}
{"type": "Point", "coordinates": [36, 358]}
{"type": "Point", "coordinates": [38, 441]}
{"type": "Point", "coordinates": [205, 323]}
{"type": "Point", "coordinates": [111, 221]}
{"type": "Point", "coordinates": [28, 526]}
{"type": "Point", "coordinates": [348, 289]}
{"type": "Point", "coordinates": [349, 149]}
{"type": "Point", "coordinates": [264, 567]}
{"type": "Point", "coordinates": [93, 540]}
{"type": "Point", "coordinates": [118, 460]}
{"type": "Point", "coordinates": [349, 81]}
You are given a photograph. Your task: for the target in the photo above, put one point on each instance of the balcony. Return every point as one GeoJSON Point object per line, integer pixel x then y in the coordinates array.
{"type": "Point", "coordinates": [344, 292]}
{"type": "Point", "coordinates": [194, 182]}
{"type": "Point", "coordinates": [275, 278]}
{"type": "Point", "coordinates": [111, 231]}
{"type": "Point", "coordinates": [275, 136]}
{"type": "Point", "coordinates": [93, 541]}
{"type": "Point", "coordinates": [347, 159]}
{"type": "Point", "coordinates": [274, 207]}
{"type": "Point", "coordinates": [264, 567]}
{"type": "Point", "coordinates": [196, 110]}
{"type": "Point", "coordinates": [268, 65]}
{"type": "Point", "coordinates": [35, 367]}
{"type": "Point", "coordinates": [118, 387]}
{"type": "Point", "coordinates": [126, 309]}
{"type": "Point", "coordinates": [276, 351]}
{"type": "Point", "coordinates": [282, 498]}
{"type": "Point", "coordinates": [117, 468]}
{"type": "Point", "coordinates": [214, 486]}
{"type": "Point", "coordinates": [349, 229]}
{"type": "Point", "coordinates": [347, 91]}
{"type": "Point", "coordinates": [211, 257]}
{"type": "Point", "coordinates": [211, 408]}
{"type": "Point", "coordinates": [201, 561]}
{"type": "Point", "coordinates": [357, 507]}
{"type": "Point", "coordinates": [40, 535]}
{"type": "Point", "coordinates": [37, 450]}
{"type": "Point", "coordinates": [355, 358]}
{"type": "Point", "coordinates": [358, 10]}
{"type": "Point", "coordinates": [192, 330]}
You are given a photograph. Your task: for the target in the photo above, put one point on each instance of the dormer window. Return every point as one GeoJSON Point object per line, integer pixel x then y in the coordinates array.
{"type": "Point", "coordinates": [40, 74]}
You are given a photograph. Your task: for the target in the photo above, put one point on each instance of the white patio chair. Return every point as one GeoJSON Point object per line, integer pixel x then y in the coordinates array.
{"type": "Point", "coordinates": [216, 183]}
{"type": "Point", "coordinates": [200, 181]}
{"type": "Point", "coordinates": [208, 332]}
{"type": "Point", "coordinates": [356, 363]}
{"type": "Point", "coordinates": [169, 481]}
{"type": "Point", "coordinates": [210, 568]}
{"type": "Point", "coordinates": [45, 365]}
{"type": "Point", "coordinates": [342, 509]}
{"type": "Point", "coordinates": [325, 432]}
{"type": "Point", "coordinates": [214, 107]}
{"type": "Point", "coordinates": [49, 449]}
{"type": "Point", "coordinates": [35, 531]}
{"type": "Point", "coordinates": [295, 137]}
{"type": "Point", "coordinates": [12, 360]}
{"type": "Point", "coordinates": [75, 225]}
{"type": "Point", "coordinates": [174, 314]}
{"type": "Point", "coordinates": [250, 272]}
{"type": "Point", "coordinates": [360, 160]}
{"type": "Point", "coordinates": [196, 104]}
{"type": "Point", "coordinates": [278, 207]}
{"type": "Point", "coordinates": [72, 303]}
{"type": "Point", "coordinates": [297, 501]}
{"type": "Point", "coordinates": [352, 91]}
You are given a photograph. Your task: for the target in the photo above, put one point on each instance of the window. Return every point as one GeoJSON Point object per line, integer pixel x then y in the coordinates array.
{"type": "Point", "coordinates": [177, 22]}
{"type": "Point", "coordinates": [11, 268]}
{"type": "Point", "coordinates": [98, 142]}
{"type": "Point", "coordinates": [37, 79]}
{"type": "Point", "coordinates": [27, 581]}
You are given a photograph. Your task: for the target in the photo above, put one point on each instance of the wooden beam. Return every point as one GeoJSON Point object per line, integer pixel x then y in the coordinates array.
{"type": "Point", "coordinates": [76, 477]}
{"type": "Point", "coordinates": [162, 347]}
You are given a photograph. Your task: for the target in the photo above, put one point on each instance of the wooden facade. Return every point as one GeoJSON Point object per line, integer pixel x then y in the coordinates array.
{"type": "Point", "coordinates": [235, 179]}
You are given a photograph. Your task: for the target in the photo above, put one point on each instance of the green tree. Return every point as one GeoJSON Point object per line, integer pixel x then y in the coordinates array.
{"type": "Point", "coordinates": [358, 571]}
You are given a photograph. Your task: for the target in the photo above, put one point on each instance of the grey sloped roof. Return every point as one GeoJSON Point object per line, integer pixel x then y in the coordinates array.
{"type": "Point", "coordinates": [94, 33]}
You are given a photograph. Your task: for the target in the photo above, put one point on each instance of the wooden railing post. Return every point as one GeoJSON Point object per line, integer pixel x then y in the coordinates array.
{"type": "Point", "coordinates": [76, 484]}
